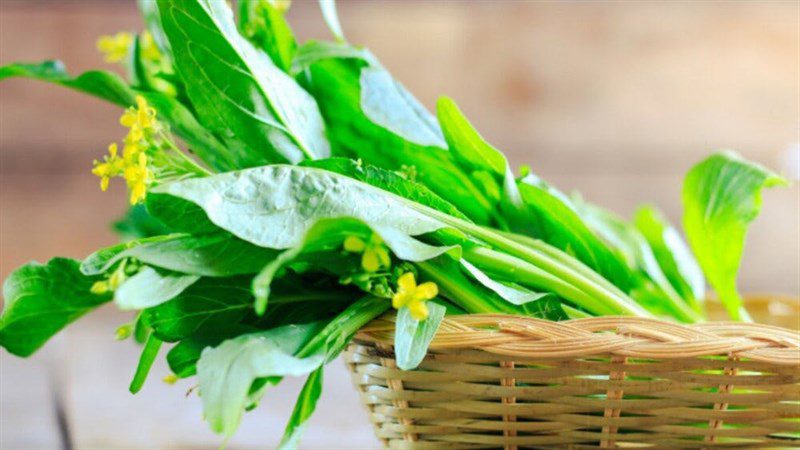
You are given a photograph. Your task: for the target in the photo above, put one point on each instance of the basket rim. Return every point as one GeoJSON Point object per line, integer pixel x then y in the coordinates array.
{"type": "Point", "coordinates": [636, 337]}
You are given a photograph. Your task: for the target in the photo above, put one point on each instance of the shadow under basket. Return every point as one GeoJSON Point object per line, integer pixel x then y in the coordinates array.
{"type": "Point", "coordinates": [496, 381]}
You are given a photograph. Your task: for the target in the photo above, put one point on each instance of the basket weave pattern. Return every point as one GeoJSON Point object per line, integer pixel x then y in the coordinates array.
{"type": "Point", "coordinates": [494, 381]}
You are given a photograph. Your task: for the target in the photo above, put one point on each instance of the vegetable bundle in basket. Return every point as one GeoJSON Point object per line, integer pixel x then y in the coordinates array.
{"type": "Point", "coordinates": [314, 193]}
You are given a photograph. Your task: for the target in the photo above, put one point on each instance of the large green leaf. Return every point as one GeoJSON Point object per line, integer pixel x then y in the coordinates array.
{"type": "Point", "coordinates": [672, 254]}
{"type": "Point", "coordinates": [111, 87]}
{"type": "Point", "coordinates": [466, 143]}
{"type": "Point", "coordinates": [273, 206]}
{"type": "Point", "coordinates": [41, 299]}
{"type": "Point", "coordinates": [260, 112]}
{"type": "Point", "coordinates": [721, 196]}
{"type": "Point", "coordinates": [227, 372]}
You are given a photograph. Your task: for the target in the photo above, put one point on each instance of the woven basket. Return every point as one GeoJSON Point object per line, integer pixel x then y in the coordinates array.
{"type": "Point", "coordinates": [494, 381]}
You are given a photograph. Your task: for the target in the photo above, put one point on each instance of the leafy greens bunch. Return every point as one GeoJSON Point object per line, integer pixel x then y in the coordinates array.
{"type": "Point", "coordinates": [317, 194]}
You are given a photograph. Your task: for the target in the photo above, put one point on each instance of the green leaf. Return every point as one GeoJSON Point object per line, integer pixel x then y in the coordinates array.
{"type": "Point", "coordinates": [466, 143]}
{"type": "Point", "coordinates": [260, 112]}
{"type": "Point", "coordinates": [137, 223]}
{"type": "Point", "coordinates": [227, 372]}
{"type": "Point", "coordinates": [328, 8]}
{"type": "Point", "coordinates": [273, 206]}
{"type": "Point", "coordinates": [328, 235]}
{"type": "Point", "coordinates": [314, 51]}
{"type": "Point", "coordinates": [412, 337]}
{"type": "Point", "coordinates": [650, 285]}
{"type": "Point", "coordinates": [388, 181]}
{"type": "Point", "coordinates": [515, 295]}
{"type": "Point", "coordinates": [721, 196]}
{"type": "Point", "coordinates": [112, 88]}
{"type": "Point", "coordinates": [336, 83]}
{"type": "Point", "coordinates": [672, 254]}
{"type": "Point", "coordinates": [217, 255]}
{"type": "Point", "coordinates": [549, 215]}
{"type": "Point", "coordinates": [303, 409]}
{"type": "Point", "coordinates": [150, 288]}
{"type": "Point", "coordinates": [388, 104]}
{"type": "Point", "coordinates": [183, 357]}
{"type": "Point", "coordinates": [209, 306]}
{"type": "Point", "coordinates": [264, 24]}
{"type": "Point", "coordinates": [41, 299]}
{"type": "Point", "coordinates": [148, 356]}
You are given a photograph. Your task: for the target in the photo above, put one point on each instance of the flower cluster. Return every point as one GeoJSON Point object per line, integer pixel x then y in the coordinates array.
{"type": "Point", "coordinates": [132, 164]}
{"type": "Point", "coordinates": [115, 48]}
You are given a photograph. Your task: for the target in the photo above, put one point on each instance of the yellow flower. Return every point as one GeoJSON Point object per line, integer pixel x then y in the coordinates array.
{"type": "Point", "coordinates": [414, 297]}
{"type": "Point", "coordinates": [123, 332]}
{"type": "Point", "coordinates": [136, 176]}
{"type": "Point", "coordinates": [115, 48]}
{"type": "Point", "coordinates": [139, 118]}
{"type": "Point", "coordinates": [111, 166]}
{"type": "Point", "coordinates": [99, 287]}
{"type": "Point", "coordinates": [374, 254]}
{"type": "Point", "coordinates": [170, 379]}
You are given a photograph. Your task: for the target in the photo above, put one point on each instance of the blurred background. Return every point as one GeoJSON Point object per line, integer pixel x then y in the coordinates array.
{"type": "Point", "coordinates": [616, 100]}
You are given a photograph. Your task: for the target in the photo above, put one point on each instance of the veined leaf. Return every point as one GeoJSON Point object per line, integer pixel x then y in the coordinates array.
{"type": "Point", "coordinates": [41, 299]}
{"type": "Point", "coordinates": [412, 337]}
{"type": "Point", "coordinates": [150, 288]}
{"type": "Point", "coordinates": [260, 112]}
{"type": "Point", "coordinates": [672, 254]}
{"type": "Point", "coordinates": [209, 306]}
{"type": "Point", "coordinates": [273, 206]}
{"type": "Point", "coordinates": [112, 88]}
{"type": "Point", "coordinates": [264, 24]}
{"type": "Point", "coordinates": [721, 196]}
{"type": "Point", "coordinates": [303, 409]}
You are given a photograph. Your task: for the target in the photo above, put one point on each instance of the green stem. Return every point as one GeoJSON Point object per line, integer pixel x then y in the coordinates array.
{"type": "Point", "coordinates": [463, 293]}
{"type": "Point", "coordinates": [149, 354]}
{"type": "Point", "coordinates": [520, 271]}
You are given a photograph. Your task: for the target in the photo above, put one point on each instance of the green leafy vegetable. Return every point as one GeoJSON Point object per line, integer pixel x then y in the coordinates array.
{"type": "Point", "coordinates": [41, 299]}
{"type": "Point", "coordinates": [672, 254]}
{"type": "Point", "coordinates": [721, 196]}
{"type": "Point", "coordinates": [261, 114]}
